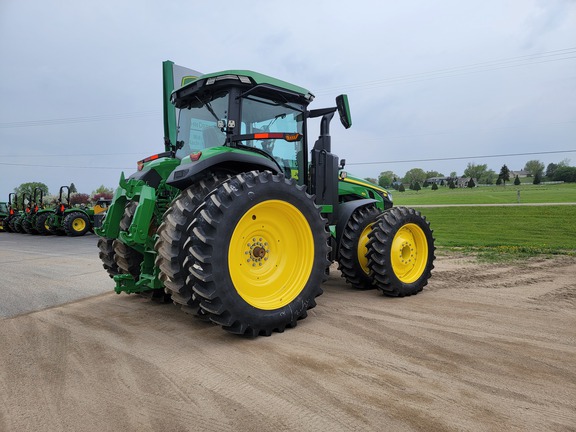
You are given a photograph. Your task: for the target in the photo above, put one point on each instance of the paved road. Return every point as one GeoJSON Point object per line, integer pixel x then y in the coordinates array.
{"type": "Point", "coordinates": [37, 272]}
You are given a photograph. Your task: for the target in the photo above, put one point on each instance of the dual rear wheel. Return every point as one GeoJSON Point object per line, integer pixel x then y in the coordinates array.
{"type": "Point", "coordinates": [392, 251]}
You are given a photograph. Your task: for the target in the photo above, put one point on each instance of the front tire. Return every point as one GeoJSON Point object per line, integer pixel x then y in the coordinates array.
{"type": "Point", "coordinates": [401, 252]}
{"type": "Point", "coordinates": [259, 250]}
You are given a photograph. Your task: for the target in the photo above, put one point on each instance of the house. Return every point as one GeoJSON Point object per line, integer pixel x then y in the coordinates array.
{"type": "Point", "coordinates": [519, 173]}
{"type": "Point", "coordinates": [463, 182]}
{"type": "Point", "coordinates": [438, 180]}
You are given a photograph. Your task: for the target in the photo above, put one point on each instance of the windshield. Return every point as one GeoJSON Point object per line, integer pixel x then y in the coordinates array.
{"type": "Point", "coordinates": [262, 115]}
{"type": "Point", "coordinates": [3, 208]}
{"type": "Point", "coordinates": [198, 124]}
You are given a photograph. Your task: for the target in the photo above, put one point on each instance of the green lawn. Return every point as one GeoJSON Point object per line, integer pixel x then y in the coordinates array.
{"type": "Point", "coordinates": [488, 195]}
{"type": "Point", "coordinates": [531, 230]}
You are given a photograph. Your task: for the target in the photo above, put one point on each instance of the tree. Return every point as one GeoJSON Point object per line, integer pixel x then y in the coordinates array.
{"type": "Point", "coordinates": [99, 196]}
{"type": "Point", "coordinates": [566, 174]}
{"type": "Point", "coordinates": [551, 169]}
{"type": "Point", "coordinates": [416, 186]}
{"type": "Point", "coordinates": [401, 188]}
{"type": "Point", "coordinates": [516, 180]}
{"type": "Point", "coordinates": [28, 189]}
{"type": "Point", "coordinates": [537, 179]}
{"type": "Point", "coordinates": [504, 174]}
{"type": "Point", "coordinates": [79, 198]}
{"type": "Point", "coordinates": [414, 175]}
{"type": "Point", "coordinates": [371, 180]}
{"type": "Point", "coordinates": [434, 186]}
{"type": "Point", "coordinates": [451, 184]}
{"type": "Point", "coordinates": [453, 174]}
{"type": "Point", "coordinates": [489, 177]}
{"type": "Point", "coordinates": [73, 188]}
{"type": "Point", "coordinates": [386, 178]}
{"type": "Point", "coordinates": [481, 173]}
{"type": "Point", "coordinates": [103, 190]}
{"type": "Point", "coordinates": [499, 181]}
{"type": "Point", "coordinates": [430, 174]}
{"type": "Point", "coordinates": [471, 183]}
{"type": "Point", "coordinates": [534, 167]}
{"type": "Point", "coordinates": [475, 171]}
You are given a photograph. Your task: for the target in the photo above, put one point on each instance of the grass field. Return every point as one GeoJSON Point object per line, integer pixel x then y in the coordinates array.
{"type": "Point", "coordinates": [488, 195]}
{"type": "Point", "coordinates": [546, 228]}
{"type": "Point", "coordinates": [500, 232]}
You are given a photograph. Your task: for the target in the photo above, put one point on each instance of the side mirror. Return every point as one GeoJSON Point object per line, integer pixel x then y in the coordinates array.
{"type": "Point", "coordinates": [344, 110]}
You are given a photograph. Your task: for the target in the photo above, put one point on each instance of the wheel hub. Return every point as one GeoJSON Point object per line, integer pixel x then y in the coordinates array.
{"type": "Point", "coordinates": [406, 253]}
{"type": "Point", "coordinates": [257, 251]}
{"type": "Point", "coordinates": [409, 252]}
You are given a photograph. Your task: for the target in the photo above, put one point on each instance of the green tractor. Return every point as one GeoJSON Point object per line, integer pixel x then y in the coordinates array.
{"type": "Point", "coordinates": [66, 219]}
{"type": "Point", "coordinates": [19, 217]}
{"type": "Point", "coordinates": [35, 220]}
{"type": "Point", "coordinates": [3, 214]}
{"type": "Point", "coordinates": [239, 220]}
{"type": "Point", "coordinates": [73, 221]}
{"type": "Point", "coordinates": [12, 212]}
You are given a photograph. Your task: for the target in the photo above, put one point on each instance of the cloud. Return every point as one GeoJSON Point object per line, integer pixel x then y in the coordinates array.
{"type": "Point", "coordinates": [425, 79]}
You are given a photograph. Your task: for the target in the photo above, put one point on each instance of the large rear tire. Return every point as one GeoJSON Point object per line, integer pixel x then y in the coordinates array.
{"type": "Point", "coordinates": [401, 252]}
{"type": "Point", "coordinates": [76, 224]}
{"type": "Point", "coordinates": [17, 224]}
{"type": "Point", "coordinates": [172, 236]}
{"type": "Point", "coordinates": [128, 259]}
{"type": "Point", "coordinates": [352, 260]}
{"type": "Point", "coordinates": [27, 226]}
{"type": "Point", "coordinates": [107, 256]}
{"type": "Point", "coordinates": [7, 225]}
{"type": "Point", "coordinates": [259, 249]}
{"type": "Point", "coordinates": [41, 225]}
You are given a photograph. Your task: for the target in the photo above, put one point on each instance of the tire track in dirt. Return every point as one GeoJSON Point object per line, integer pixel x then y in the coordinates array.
{"type": "Point", "coordinates": [483, 347]}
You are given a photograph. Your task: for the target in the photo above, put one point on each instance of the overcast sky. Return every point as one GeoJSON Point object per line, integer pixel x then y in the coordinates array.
{"type": "Point", "coordinates": [81, 90]}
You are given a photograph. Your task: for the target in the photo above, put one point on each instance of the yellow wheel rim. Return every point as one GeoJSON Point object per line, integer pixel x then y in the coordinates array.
{"type": "Point", "coordinates": [409, 253]}
{"type": "Point", "coordinates": [363, 249]}
{"type": "Point", "coordinates": [271, 254]}
{"type": "Point", "coordinates": [78, 224]}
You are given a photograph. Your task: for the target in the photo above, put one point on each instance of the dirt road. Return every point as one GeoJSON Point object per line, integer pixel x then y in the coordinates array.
{"type": "Point", "coordinates": [483, 347]}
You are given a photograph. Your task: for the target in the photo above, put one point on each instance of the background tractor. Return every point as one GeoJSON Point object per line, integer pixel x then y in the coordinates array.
{"type": "Point", "coordinates": [3, 214]}
{"type": "Point", "coordinates": [239, 219]}
{"type": "Point", "coordinates": [12, 212]}
{"type": "Point", "coordinates": [37, 213]}
{"type": "Point", "coordinates": [71, 220]}
{"type": "Point", "coordinates": [19, 216]}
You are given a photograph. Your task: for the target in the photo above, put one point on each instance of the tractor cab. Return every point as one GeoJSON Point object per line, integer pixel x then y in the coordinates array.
{"type": "Point", "coordinates": [236, 119]}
